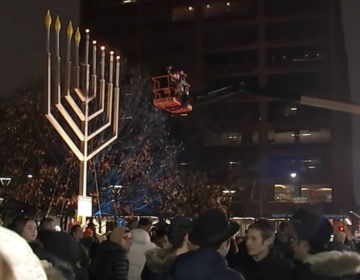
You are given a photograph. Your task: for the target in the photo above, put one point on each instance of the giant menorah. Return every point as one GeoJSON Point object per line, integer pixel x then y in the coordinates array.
{"type": "Point", "coordinates": [77, 81]}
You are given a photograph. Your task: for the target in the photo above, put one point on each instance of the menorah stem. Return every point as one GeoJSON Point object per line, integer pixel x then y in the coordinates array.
{"type": "Point", "coordinates": [48, 83]}
{"type": "Point", "coordinates": [84, 149]}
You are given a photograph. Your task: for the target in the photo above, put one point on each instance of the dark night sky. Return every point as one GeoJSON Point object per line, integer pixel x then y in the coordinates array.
{"type": "Point", "coordinates": [22, 30]}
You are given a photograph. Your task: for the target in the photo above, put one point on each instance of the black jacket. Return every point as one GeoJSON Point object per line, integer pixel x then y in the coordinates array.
{"type": "Point", "coordinates": [110, 262]}
{"type": "Point", "coordinates": [203, 264]}
{"type": "Point", "coordinates": [329, 266]}
{"type": "Point", "coordinates": [273, 267]}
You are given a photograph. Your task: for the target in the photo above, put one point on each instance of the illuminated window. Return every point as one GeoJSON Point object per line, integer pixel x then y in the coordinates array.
{"type": "Point", "coordinates": [309, 193]}
{"type": "Point", "coordinates": [226, 9]}
{"type": "Point", "coordinates": [182, 13]}
{"type": "Point", "coordinates": [301, 136]}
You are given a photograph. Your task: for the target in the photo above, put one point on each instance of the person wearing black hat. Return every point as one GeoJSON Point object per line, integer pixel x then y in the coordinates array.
{"type": "Point", "coordinates": [311, 234]}
{"type": "Point", "coordinates": [212, 233]}
{"type": "Point", "coordinates": [159, 261]}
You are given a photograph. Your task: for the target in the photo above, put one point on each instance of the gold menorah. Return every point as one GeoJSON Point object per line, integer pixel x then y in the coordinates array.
{"type": "Point", "coordinates": [77, 79]}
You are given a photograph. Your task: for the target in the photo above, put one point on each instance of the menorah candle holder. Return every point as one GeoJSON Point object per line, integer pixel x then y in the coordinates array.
{"type": "Point", "coordinates": [87, 86]}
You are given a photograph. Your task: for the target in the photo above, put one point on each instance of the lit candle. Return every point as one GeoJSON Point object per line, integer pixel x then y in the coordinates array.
{"type": "Point", "coordinates": [117, 75]}
{"type": "Point", "coordinates": [111, 70]}
{"type": "Point", "coordinates": [102, 76]}
{"type": "Point", "coordinates": [87, 46]}
{"type": "Point", "coordinates": [94, 58]}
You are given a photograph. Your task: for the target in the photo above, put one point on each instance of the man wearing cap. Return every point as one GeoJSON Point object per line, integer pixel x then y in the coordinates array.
{"type": "Point", "coordinates": [212, 233]}
{"type": "Point", "coordinates": [311, 234]}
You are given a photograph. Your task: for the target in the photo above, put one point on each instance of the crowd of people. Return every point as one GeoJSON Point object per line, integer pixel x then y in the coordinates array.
{"type": "Point", "coordinates": [202, 249]}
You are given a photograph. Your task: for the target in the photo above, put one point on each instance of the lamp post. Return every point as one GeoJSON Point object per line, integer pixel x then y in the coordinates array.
{"type": "Point", "coordinates": [229, 194]}
{"type": "Point", "coordinates": [5, 182]}
{"type": "Point", "coordinates": [116, 189]}
{"type": "Point", "coordinates": [87, 87]}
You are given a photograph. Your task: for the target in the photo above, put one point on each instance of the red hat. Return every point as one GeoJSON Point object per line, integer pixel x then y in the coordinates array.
{"type": "Point", "coordinates": [88, 233]}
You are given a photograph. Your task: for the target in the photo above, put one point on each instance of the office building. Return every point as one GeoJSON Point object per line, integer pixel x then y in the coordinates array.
{"type": "Point", "coordinates": [296, 155]}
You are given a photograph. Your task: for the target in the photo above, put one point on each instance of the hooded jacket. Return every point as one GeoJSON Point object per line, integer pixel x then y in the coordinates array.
{"type": "Point", "coordinates": [331, 265]}
{"type": "Point", "coordinates": [141, 243]}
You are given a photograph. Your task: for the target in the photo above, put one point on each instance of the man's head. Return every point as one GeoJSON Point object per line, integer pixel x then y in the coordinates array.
{"type": "Point", "coordinates": [310, 234]}
{"type": "Point", "coordinates": [76, 232]}
{"type": "Point", "coordinates": [179, 232]}
{"type": "Point", "coordinates": [145, 224]}
{"type": "Point", "coordinates": [47, 224]}
{"type": "Point", "coordinates": [259, 238]}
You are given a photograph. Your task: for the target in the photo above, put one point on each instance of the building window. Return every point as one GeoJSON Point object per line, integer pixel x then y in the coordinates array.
{"type": "Point", "coordinates": [299, 136]}
{"type": "Point", "coordinates": [245, 9]}
{"type": "Point", "coordinates": [183, 13]}
{"type": "Point", "coordinates": [279, 111]}
{"type": "Point", "coordinates": [282, 167]}
{"type": "Point", "coordinates": [309, 193]}
{"type": "Point", "coordinates": [231, 139]}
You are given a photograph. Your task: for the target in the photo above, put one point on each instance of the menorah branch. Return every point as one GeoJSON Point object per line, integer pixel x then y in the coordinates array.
{"type": "Point", "coordinates": [86, 90]}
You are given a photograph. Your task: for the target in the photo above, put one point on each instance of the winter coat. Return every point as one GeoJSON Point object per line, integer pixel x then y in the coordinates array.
{"type": "Point", "coordinates": [109, 263]}
{"type": "Point", "coordinates": [159, 264]}
{"type": "Point", "coordinates": [273, 267]}
{"type": "Point", "coordinates": [338, 246]}
{"type": "Point", "coordinates": [329, 266]}
{"type": "Point", "coordinates": [203, 264]}
{"type": "Point", "coordinates": [141, 243]}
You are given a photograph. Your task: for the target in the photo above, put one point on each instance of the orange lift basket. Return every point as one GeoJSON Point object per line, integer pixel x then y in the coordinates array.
{"type": "Point", "coordinates": [172, 93]}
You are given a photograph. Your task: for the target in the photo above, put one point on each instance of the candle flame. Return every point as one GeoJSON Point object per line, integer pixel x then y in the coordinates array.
{"type": "Point", "coordinates": [103, 48]}
{"type": "Point", "coordinates": [94, 42]}
{"type": "Point", "coordinates": [112, 53]}
{"type": "Point", "coordinates": [118, 57]}
{"type": "Point", "coordinates": [87, 30]}
{"type": "Point", "coordinates": [70, 30]}
{"type": "Point", "coordinates": [77, 36]}
{"type": "Point", "coordinates": [48, 20]}
{"type": "Point", "coordinates": [57, 24]}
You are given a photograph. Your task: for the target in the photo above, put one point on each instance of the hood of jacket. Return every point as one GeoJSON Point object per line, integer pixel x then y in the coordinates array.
{"type": "Point", "coordinates": [140, 236]}
{"type": "Point", "coordinates": [334, 263]}
{"type": "Point", "coordinates": [160, 261]}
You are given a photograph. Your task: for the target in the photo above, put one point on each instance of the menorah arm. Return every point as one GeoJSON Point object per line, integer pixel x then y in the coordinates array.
{"type": "Point", "coordinates": [80, 94]}
{"type": "Point", "coordinates": [70, 121]}
{"type": "Point", "coordinates": [102, 101]}
{"type": "Point", "coordinates": [65, 136]}
{"type": "Point", "coordinates": [75, 107]}
{"type": "Point", "coordinates": [97, 132]}
{"type": "Point", "coordinates": [102, 147]}
{"type": "Point", "coordinates": [115, 126]}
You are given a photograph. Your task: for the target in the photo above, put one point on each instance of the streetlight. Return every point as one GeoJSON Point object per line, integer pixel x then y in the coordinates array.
{"type": "Point", "coordinates": [115, 190]}
{"type": "Point", "coordinates": [5, 182]}
{"type": "Point", "coordinates": [230, 194]}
